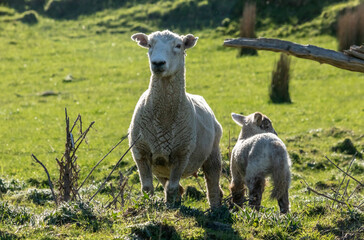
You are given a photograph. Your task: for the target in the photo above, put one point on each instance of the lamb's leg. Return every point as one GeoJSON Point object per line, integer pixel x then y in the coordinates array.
{"type": "Point", "coordinates": [283, 202]}
{"type": "Point", "coordinates": [145, 171]}
{"type": "Point", "coordinates": [237, 186]}
{"type": "Point", "coordinates": [256, 188]}
{"type": "Point", "coordinates": [212, 171]}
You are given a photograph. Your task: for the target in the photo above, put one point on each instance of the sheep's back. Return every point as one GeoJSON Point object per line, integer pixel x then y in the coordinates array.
{"type": "Point", "coordinates": [261, 151]}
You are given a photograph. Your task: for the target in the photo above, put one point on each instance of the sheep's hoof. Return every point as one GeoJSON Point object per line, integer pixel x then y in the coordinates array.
{"type": "Point", "coordinates": [173, 198]}
{"type": "Point", "coordinates": [148, 189]}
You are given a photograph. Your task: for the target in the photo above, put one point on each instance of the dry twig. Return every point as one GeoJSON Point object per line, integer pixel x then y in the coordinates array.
{"type": "Point", "coordinates": [361, 184]}
{"type": "Point", "coordinates": [328, 197]}
{"type": "Point", "coordinates": [116, 165]}
{"type": "Point", "coordinates": [122, 139]}
{"type": "Point", "coordinates": [338, 190]}
{"type": "Point", "coordinates": [49, 178]}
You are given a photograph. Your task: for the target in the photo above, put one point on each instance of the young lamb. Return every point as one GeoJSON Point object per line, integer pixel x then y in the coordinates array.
{"type": "Point", "coordinates": [258, 153]}
{"type": "Point", "coordinates": [178, 131]}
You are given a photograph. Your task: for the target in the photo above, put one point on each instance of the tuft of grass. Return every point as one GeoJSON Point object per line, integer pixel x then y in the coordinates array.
{"type": "Point", "coordinates": [193, 193]}
{"type": "Point", "coordinates": [346, 147]}
{"type": "Point", "coordinates": [14, 215]}
{"type": "Point", "coordinates": [10, 185]}
{"type": "Point", "coordinates": [39, 196]}
{"type": "Point", "coordinates": [80, 213]}
{"type": "Point", "coordinates": [154, 230]}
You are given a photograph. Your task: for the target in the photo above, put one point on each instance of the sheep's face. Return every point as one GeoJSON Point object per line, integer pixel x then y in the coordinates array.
{"type": "Point", "coordinates": [166, 51]}
{"type": "Point", "coordinates": [254, 123]}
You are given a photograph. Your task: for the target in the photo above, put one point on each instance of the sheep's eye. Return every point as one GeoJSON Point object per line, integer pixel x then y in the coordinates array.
{"type": "Point", "coordinates": [178, 46]}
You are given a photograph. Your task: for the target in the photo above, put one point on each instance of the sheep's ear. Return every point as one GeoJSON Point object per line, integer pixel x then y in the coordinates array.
{"type": "Point", "coordinates": [239, 119]}
{"type": "Point", "coordinates": [141, 39]}
{"type": "Point", "coordinates": [189, 41]}
{"type": "Point", "coordinates": [258, 117]}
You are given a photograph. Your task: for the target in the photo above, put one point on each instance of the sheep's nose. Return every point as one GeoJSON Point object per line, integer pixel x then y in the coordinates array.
{"type": "Point", "coordinates": [158, 63]}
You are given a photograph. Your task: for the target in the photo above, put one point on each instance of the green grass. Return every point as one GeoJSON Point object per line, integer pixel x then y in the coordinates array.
{"type": "Point", "coordinates": [109, 73]}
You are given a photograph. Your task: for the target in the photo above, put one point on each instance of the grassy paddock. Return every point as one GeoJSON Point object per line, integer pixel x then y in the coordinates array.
{"type": "Point", "coordinates": [110, 72]}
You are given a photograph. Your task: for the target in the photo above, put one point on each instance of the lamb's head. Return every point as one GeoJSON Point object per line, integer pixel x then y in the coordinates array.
{"type": "Point", "coordinates": [254, 123]}
{"type": "Point", "coordinates": [166, 51]}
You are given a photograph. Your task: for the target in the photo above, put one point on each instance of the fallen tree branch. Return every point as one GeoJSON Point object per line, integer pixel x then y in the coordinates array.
{"type": "Point", "coordinates": [311, 52]}
{"type": "Point", "coordinates": [49, 178]}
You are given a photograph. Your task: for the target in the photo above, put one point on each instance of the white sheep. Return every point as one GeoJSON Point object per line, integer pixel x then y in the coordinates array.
{"type": "Point", "coordinates": [178, 131]}
{"type": "Point", "coordinates": [258, 153]}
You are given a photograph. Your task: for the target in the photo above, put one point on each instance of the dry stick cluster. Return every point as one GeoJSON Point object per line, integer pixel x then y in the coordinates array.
{"type": "Point", "coordinates": [69, 169]}
{"type": "Point", "coordinates": [122, 183]}
{"type": "Point", "coordinates": [345, 196]}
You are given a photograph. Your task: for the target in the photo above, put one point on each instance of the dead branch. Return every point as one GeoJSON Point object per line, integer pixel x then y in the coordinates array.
{"type": "Point", "coordinates": [119, 194]}
{"type": "Point", "coordinates": [122, 139]}
{"type": "Point", "coordinates": [116, 165]}
{"type": "Point", "coordinates": [338, 190]}
{"type": "Point", "coordinates": [328, 197]}
{"type": "Point", "coordinates": [361, 184]}
{"type": "Point", "coordinates": [74, 123]}
{"type": "Point", "coordinates": [49, 178]}
{"type": "Point", "coordinates": [311, 52]}
{"type": "Point", "coordinates": [356, 51]}
{"type": "Point", "coordinates": [355, 189]}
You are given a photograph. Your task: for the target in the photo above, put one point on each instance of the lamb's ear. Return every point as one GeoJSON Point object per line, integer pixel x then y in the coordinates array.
{"type": "Point", "coordinates": [239, 119]}
{"type": "Point", "coordinates": [141, 39]}
{"type": "Point", "coordinates": [258, 117]}
{"type": "Point", "coordinates": [189, 41]}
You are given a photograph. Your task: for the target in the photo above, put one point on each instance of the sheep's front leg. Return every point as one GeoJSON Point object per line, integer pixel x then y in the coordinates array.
{"type": "Point", "coordinates": [145, 172]}
{"type": "Point", "coordinates": [173, 198]}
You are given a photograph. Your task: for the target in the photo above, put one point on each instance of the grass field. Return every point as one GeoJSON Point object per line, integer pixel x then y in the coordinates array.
{"type": "Point", "coordinates": [109, 73]}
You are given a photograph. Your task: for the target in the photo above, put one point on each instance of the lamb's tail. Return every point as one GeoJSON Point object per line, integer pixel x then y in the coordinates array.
{"type": "Point", "coordinates": [281, 177]}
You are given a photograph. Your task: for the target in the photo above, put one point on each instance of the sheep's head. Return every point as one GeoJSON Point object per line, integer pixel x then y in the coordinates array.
{"type": "Point", "coordinates": [254, 123]}
{"type": "Point", "coordinates": [166, 50]}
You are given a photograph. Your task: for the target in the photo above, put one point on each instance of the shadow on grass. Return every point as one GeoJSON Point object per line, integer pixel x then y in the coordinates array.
{"type": "Point", "coordinates": [217, 223]}
{"type": "Point", "coordinates": [154, 230]}
{"type": "Point", "coordinates": [349, 226]}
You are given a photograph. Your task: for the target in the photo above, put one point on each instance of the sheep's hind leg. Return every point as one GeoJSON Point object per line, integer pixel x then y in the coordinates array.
{"type": "Point", "coordinates": [237, 187]}
{"type": "Point", "coordinates": [212, 171]}
{"type": "Point", "coordinates": [256, 188]}
{"type": "Point", "coordinates": [283, 202]}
